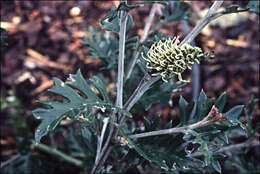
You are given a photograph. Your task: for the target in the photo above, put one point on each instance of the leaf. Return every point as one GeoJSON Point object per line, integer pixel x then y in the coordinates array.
{"type": "Point", "coordinates": [29, 163]}
{"type": "Point", "coordinates": [101, 47]}
{"type": "Point", "coordinates": [73, 146]}
{"type": "Point", "coordinates": [151, 125]}
{"type": "Point", "coordinates": [111, 26]}
{"type": "Point", "coordinates": [129, 23]}
{"type": "Point", "coordinates": [155, 123]}
{"type": "Point", "coordinates": [147, 124]}
{"type": "Point", "coordinates": [113, 21]}
{"type": "Point", "coordinates": [132, 43]}
{"type": "Point", "coordinates": [74, 105]}
{"type": "Point", "coordinates": [223, 137]}
{"type": "Point", "coordinates": [179, 12]}
{"type": "Point", "coordinates": [4, 35]}
{"type": "Point", "coordinates": [216, 165]}
{"type": "Point", "coordinates": [202, 139]}
{"type": "Point", "coordinates": [159, 93]}
{"type": "Point", "coordinates": [234, 112]}
{"type": "Point", "coordinates": [189, 109]}
{"type": "Point", "coordinates": [185, 111]}
{"type": "Point", "coordinates": [204, 105]}
{"type": "Point", "coordinates": [126, 7]}
{"type": "Point", "coordinates": [251, 106]}
{"type": "Point", "coordinates": [145, 155]}
{"type": "Point", "coordinates": [88, 139]}
{"type": "Point", "coordinates": [110, 15]}
{"type": "Point", "coordinates": [221, 102]}
{"type": "Point", "coordinates": [233, 9]}
{"type": "Point", "coordinates": [253, 6]}
{"type": "Point", "coordinates": [182, 106]}
{"type": "Point", "coordinates": [251, 130]}
{"type": "Point", "coordinates": [105, 48]}
{"type": "Point", "coordinates": [168, 125]}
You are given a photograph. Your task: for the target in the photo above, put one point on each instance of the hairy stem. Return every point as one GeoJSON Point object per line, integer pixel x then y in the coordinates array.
{"type": "Point", "coordinates": [143, 38]}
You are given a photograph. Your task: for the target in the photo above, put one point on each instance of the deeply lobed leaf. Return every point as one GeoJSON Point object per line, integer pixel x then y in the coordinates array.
{"type": "Point", "coordinates": [75, 105]}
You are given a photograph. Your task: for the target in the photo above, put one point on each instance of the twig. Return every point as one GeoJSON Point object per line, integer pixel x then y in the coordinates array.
{"type": "Point", "coordinates": [58, 153]}
{"type": "Point", "coordinates": [104, 149]}
{"type": "Point", "coordinates": [121, 57]}
{"type": "Point", "coordinates": [102, 160]}
{"type": "Point", "coordinates": [148, 23]}
{"type": "Point", "coordinates": [119, 99]}
{"type": "Point", "coordinates": [9, 161]}
{"type": "Point", "coordinates": [142, 88]}
{"type": "Point", "coordinates": [203, 22]}
{"type": "Point", "coordinates": [143, 38]}
{"type": "Point", "coordinates": [100, 140]}
{"type": "Point", "coordinates": [212, 117]}
{"type": "Point", "coordinates": [240, 145]}
{"type": "Point", "coordinates": [144, 85]}
{"type": "Point", "coordinates": [232, 147]}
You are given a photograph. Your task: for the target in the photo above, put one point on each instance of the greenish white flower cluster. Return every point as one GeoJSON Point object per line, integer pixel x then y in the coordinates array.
{"type": "Point", "coordinates": [167, 58]}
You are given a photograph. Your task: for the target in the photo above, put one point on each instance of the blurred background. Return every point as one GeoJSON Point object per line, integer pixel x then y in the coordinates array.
{"type": "Point", "coordinates": [44, 40]}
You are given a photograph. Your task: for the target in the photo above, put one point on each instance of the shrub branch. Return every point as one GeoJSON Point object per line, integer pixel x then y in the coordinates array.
{"type": "Point", "coordinates": [121, 57]}
{"type": "Point", "coordinates": [147, 81]}
{"type": "Point", "coordinates": [119, 98]}
{"type": "Point", "coordinates": [212, 117]}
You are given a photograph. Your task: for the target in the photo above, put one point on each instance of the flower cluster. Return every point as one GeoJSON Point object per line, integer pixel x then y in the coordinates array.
{"type": "Point", "coordinates": [168, 58]}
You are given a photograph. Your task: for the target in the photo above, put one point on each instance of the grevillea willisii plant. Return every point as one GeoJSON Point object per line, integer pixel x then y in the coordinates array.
{"type": "Point", "coordinates": [168, 58]}
{"type": "Point", "coordinates": [109, 139]}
